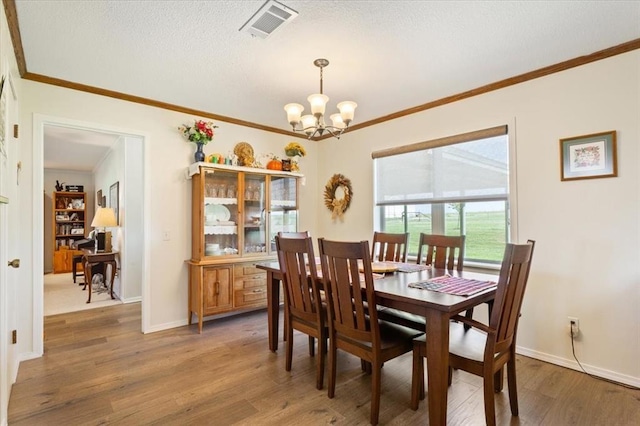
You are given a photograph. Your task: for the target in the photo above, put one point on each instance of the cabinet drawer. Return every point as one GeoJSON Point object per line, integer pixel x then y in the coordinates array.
{"type": "Point", "coordinates": [250, 283]}
{"type": "Point", "coordinates": [250, 297]}
{"type": "Point", "coordinates": [247, 269]}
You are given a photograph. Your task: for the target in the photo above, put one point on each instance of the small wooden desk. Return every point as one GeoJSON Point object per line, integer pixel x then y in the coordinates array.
{"type": "Point", "coordinates": [90, 257]}
{"type": "Point", "coordinates": [393, 291]}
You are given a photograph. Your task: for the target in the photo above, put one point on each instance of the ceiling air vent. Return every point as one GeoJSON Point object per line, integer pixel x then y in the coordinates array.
{"type": "Point", "coordinates": [271, 16]}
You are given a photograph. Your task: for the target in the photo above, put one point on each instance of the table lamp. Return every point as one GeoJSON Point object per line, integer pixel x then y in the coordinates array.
{"type": "Point", "coordinates": [105, 217]}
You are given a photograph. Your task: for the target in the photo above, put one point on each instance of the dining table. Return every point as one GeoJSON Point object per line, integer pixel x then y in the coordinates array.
{"type": "Point", "coordinates": [392, 290]}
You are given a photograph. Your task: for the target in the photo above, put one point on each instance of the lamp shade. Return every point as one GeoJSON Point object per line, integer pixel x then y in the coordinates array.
{"type": "Point", "coordinates": [104, 218]}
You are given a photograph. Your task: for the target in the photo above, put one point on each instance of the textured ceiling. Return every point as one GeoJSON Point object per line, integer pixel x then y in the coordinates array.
{"type": "Point", "coordinates": [385, 55]}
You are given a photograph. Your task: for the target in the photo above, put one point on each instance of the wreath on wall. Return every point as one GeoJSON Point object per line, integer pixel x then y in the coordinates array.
{"type": "Point", "coordinates": [337, 206]}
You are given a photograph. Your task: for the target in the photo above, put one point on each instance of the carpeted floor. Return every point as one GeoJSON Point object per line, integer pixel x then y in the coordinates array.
{"type": "Point", "coordinates": [61, 295]}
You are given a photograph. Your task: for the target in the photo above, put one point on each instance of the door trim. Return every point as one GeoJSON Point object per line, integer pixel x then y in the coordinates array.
{"type": "Point", "coordinates": [39, 122]}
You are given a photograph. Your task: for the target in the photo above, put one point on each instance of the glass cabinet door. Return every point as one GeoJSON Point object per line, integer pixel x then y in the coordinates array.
{"type": "Point", "coordinates": [283, 207]}
{"type": "Point", "coordinates": [254, 227]}
{"type": "Point", "coordinates": [220, 213]}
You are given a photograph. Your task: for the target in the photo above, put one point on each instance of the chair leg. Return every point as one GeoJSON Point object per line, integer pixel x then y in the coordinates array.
{"type": "Point", "coordinates": [468, 315]}
{"type": "Point", "coordinates": [417, 377]}
{"type": "Point", "coordinates": [332, 368]}
{"type": "Point", "coordinates": [312, 344]}
{"type": "Point", "coordinates": [498, 381]}
{"type": "Point", "coordinates": [376, 385]}
{"type": "Point", "coordinates": [322, 352]}
{"type": "Point", "coordinates": [513, 388]}
{"type": "Point", "coordinates": [489, 400]}
{"type": "Point", "coordinates": [289, 354]}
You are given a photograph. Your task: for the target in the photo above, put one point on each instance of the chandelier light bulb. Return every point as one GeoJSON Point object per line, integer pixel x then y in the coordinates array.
{"type": "Point", "coordinates": [347, 111]}
{"type": "Point", "coordinates": [337, 121]}
{"type": "Point", "coordinates": [294, 111]}
{"type": "Point", "coordinates": [318, 103]}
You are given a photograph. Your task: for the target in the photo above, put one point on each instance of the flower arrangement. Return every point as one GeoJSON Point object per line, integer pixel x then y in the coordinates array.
{"type": "Point", "coordinates": [200, 132]}
{"type": "Point", "coordinates": [294, 149]}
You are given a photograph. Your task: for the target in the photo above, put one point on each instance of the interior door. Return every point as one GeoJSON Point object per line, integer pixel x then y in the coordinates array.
{"type": "Point", "coordinates": [10, 169]}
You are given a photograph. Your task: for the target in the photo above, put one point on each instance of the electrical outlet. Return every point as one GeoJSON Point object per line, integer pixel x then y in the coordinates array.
{"type": "Point", "coordinates": [166, 235]}
{"type": "Point", "coordinates": [574, 326]}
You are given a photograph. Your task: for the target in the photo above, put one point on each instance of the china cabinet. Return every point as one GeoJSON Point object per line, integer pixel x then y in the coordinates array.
{"type": "Point", "coordinates": [69, 224]}
{"type": "Point", "coordinates": [236, 213]}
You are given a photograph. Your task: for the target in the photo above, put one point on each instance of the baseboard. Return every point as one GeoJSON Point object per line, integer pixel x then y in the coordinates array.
{"type": "Point", "coordinates": [572, 364]}
{"type": "Point", "coordinates": [132, 299]}
{"type": "Point", "coordinates": [166, 326]}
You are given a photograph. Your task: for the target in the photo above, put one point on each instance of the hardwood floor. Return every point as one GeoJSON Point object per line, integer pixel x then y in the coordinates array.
{"type": "Point", "coordinates": [99, 369]}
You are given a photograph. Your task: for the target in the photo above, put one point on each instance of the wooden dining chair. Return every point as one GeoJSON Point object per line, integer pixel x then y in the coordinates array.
{"type": "Point", "coordinates": [353, 327]}
{"type": "Point", "coordinates": [483, 350]}
{"type": "Point", "coordinates": [300, 234]}
{"type": "Point", "coordinates": [440, 251]}
{"type": "Point", "coordinates": [388, 247]}
{"type": "Point", "coordinates": [304, 310]}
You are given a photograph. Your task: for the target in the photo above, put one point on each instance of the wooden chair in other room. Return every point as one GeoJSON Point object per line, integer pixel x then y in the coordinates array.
{"type": "Point", "coordinates": [439, 251]}
{"type": "Point", "coordinates": [303, 306]}
{"type": "Point", "coordinates": [389, 247]}
{"type": "Point", "coordinates": [483, 350]}
{"type": "Point", "coordinates": [352, 327]}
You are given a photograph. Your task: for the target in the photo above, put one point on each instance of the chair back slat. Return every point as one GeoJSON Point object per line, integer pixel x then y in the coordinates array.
{"type": "Point", "coordinates": [512, 283]}
{"type": "Point", "coordinates": [300, 275]}
{"type": "Point", "coordinates": [440, 251]}
{"type": "Point", "coordinates": [388, 247]}
{"type": "Point", "coordinates": [341, 262]}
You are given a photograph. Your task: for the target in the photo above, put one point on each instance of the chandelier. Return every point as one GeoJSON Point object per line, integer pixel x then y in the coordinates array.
{"type": "Point", "coordinates": [313, 124]}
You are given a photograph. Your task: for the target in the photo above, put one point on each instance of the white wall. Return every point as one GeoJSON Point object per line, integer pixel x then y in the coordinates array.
{"type": "Point", "coordinates": [169, 191]}
{"type": "Point", "coordinates": [70, 178]}
{"type": "Point", "coordinates": [586, 262]}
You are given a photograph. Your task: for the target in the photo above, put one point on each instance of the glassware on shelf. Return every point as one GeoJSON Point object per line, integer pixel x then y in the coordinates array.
{"type": "Point", "coordinates": [231, 191]}
{"type": "Point", "coordinates": [222, 191]}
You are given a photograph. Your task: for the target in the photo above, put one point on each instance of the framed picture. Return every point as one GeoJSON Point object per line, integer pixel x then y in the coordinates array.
{"type": "Point", "coordinates": [588, 156]}
{"type": "Point", "coordinates": [99, 199]}
{"type": "Point", "coordinates": [104, 201]}
{"type": "Point", "coordinates": [113, 200]}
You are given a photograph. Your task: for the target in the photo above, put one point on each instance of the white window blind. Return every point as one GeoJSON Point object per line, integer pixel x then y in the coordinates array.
{"type": "Point", "coordinates": [446, 170]}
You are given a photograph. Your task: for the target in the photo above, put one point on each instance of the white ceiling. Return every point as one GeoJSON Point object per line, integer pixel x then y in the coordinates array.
{"type": "Point", "coordinates": [74, 149]}
{"type": "Point", "coordinates": [385, 55]}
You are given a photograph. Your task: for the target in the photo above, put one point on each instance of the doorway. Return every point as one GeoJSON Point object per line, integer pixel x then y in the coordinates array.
{"type": "Point", "coordinates": [131, 169]}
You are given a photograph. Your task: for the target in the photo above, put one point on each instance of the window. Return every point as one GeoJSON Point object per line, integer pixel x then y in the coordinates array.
{"type": "Point", "coordinates": [452, 186]}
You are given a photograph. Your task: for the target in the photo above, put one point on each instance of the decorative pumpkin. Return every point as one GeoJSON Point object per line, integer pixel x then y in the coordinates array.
{"type": "Point", "coordinates": [274, 164]}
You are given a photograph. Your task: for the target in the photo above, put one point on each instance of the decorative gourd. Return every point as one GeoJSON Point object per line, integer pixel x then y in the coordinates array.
{"type": "Point", "coordinates": [274, 165]}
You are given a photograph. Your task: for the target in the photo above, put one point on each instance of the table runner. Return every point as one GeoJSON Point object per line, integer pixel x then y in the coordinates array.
{"type": "Point", "coordinates": [411, 267]}
{"type": "Point", "coordinates": [453, 285]}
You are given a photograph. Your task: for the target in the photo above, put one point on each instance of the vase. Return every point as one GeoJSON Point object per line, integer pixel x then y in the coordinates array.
{"type": "Point", "coordinates": [199, 155]}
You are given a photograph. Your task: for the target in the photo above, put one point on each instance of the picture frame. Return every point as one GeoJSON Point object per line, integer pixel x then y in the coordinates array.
{"type": "Point", "coordinates": [113, 200]}
{"type": "Point", "coordinates": [588, 156]}
{"type": "Point", "coordinates": [99, 199]}
{"type": "Point", "coordinates": [104, 201]}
